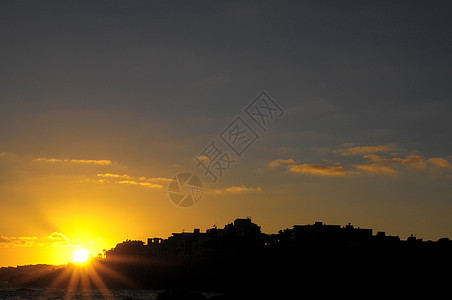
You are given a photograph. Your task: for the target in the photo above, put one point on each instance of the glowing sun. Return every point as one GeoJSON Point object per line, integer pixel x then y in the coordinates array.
{"type": "Point", "coordinates": [80, 256]}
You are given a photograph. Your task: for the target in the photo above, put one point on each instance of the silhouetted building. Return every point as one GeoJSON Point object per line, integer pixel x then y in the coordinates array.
{"type": "Point", "coordinates": [187, 243]}
{"type": "Point", "coordinates": [322, 236]}
{"type": "Point", "coordinates": [244, 236]}
{"type": "Point", "coordinates": [381, 240]}
{"type": "Point", "coordinates": [244, 228]}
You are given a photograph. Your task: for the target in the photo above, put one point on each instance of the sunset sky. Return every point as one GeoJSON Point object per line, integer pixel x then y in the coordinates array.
{"type": "Point", "coordinates": [103, 102]}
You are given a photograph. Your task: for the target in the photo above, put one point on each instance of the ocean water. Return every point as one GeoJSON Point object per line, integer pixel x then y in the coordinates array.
{"type": "Point", "coordinates": [43, 293]}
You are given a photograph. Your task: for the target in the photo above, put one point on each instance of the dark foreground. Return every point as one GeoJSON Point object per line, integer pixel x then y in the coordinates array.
{"type": "Point", "coordinates": [250, 276]}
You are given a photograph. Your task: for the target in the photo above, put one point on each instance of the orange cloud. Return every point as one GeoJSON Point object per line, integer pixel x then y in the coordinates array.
{"type": "Point", "coordinates": [151, 179]}
{"type": "Point", "coordinates": [22, 241]}
{"type": "Point", "coordinates": [320, 170]}
{"type": "Point", "coordinates": [55, 239]}
{"type": "Point", "coordinates": [101, 162]}
{"type": "Point", "coordinates": [145, 184]}
{"type": "Point", "coordinates": [367, 150]}
{"type": "Point", "coordinates": [412, 160]}
{"type": "Point", "coordinates": [110, 175]}
{"type": "Point", "coordinates": [56, 236]}
{"type": "Point", "coordinates": [439, 162]}
{"type": "Point", "coordinates": [92, 161]}
{"type": "Point", "coordinates": [127, 179]}
{"type": "Point", "coordinates": [151, 185]}
{"type": "Point", "coordinates": [202, 158]}
{"type": "Point", "coordinates": [44, 159]}
{"type": "Point", "coordinates": [376, 169]}
{"type": "Point", "coordinates": [237, 189]}
{"type": "Point", "coordinates": [279, 162]}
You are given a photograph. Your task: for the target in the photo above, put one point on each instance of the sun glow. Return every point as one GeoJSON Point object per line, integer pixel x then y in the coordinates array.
{"type": "Point", "coordinates": [80, 255]}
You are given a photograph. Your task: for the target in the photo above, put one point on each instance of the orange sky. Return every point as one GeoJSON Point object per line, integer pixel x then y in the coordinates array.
{"type": "Point", "coordinates": [57, 205]}
{"type": "Point", "coordinates": [103, 102]}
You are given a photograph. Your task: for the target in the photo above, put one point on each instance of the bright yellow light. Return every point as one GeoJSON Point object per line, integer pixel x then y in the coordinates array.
{"type": "Point", "coordinates": [80, 255]}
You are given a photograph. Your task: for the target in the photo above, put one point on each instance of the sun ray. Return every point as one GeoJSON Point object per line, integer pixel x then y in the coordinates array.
{"type": "Point", "coordinates": [115, 275]}
{"type": "Point", "coordinates": [98, 282]}
{"type": "Point", "coordinates": [65, 274]}
{"type": "Point", "coordinates": [84, 278]}
{"type": "Point", "coordinates": [73, 283]}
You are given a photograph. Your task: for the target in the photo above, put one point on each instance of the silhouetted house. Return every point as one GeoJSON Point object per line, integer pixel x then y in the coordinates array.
{"type": "Point", "coordinates": [187, 243]}
{"type": "Point", "coordinates": [381, 240]}
{"type": "Point", "coordinates": [314, 236]}
{"type": "Point", "coordinates": [241, 236]}
{"type": "Point", "coordinates": [155, 246]}
{"type": "Point", "coordinates": [154, 241]}
{"type": "Point", "coordinates": [413, 242]}
{"type": "Point", "coordinates": [319, 236]}
{"type": "Point", "coordinates": [244, 228]}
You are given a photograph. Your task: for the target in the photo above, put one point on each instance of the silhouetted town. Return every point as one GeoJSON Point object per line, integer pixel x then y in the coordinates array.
{"type": "Point", "coordinates": [240, 257]}
{"type": "Point", "coordinates": [245, 236]}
